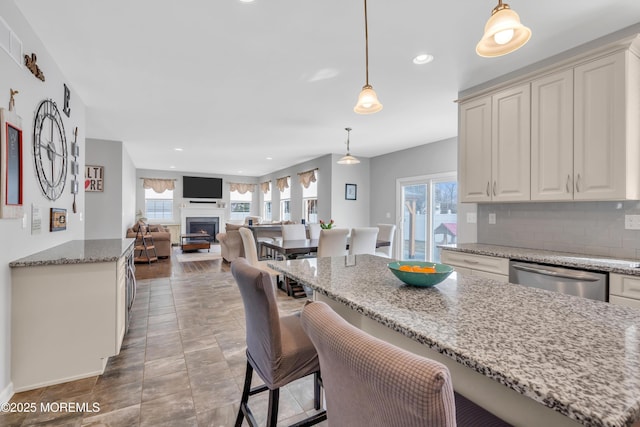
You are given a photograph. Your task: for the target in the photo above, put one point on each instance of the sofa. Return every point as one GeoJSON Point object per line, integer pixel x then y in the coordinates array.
{"type": "Point", "coordinates": [161, 237]}
{"type": "Point", "coordinates": [230, 240]}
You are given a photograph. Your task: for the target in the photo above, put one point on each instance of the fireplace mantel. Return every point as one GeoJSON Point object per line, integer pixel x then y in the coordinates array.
{"type": "Point", "coordinates": [202, 211]}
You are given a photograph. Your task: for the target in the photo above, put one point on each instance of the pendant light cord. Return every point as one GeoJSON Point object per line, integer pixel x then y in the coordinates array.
{"type": "Point", "coordinates": [366, 43]}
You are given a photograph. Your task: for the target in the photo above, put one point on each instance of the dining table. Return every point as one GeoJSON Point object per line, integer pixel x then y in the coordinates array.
{"type": "Point", "coordinates": [530, 356]}
{"type": "Point", "coordinates": [293, 248]}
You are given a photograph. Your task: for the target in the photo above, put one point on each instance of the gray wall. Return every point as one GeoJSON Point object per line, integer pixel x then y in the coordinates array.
{"type": "Point", "coordinates": [594, 228]}
{"type": "Point", "coordinates": [16, 233]}
{"type": "Point", "coordinates": [111, 211]}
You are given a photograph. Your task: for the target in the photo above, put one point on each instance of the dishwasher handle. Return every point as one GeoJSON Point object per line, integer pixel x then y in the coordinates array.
{"type": "Point", "coordinates": [576, 275]}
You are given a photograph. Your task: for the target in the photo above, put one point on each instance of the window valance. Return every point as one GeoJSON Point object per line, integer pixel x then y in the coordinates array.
{"type": "Point", "coordinates": [242, 187]}
{"type": "Point", "coordinates": [159, 185]}
{"type": "Point", "coordinates": [282, 183]}
{"type": "Point", "coordinates": [306, 178]}
{"type": "Point", "coordinates": [265, 186]}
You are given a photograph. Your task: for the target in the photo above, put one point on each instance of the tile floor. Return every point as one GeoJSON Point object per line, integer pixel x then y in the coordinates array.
{"type": "Point", "coordinates": [181, 364]}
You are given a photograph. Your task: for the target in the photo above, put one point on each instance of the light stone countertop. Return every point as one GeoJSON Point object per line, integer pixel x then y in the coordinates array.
{"type": "Point", "coordinates": [578, 356]}
{"type": "Point", "coordinates": [77, 252]}
{"type": "Point", "coordinates": [565, 259]}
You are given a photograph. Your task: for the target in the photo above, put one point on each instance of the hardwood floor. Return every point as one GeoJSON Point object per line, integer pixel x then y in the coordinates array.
{"type": "Point", "coordinates": [181, 363]}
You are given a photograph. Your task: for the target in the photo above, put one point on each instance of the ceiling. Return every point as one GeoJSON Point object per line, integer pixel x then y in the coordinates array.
{"type": "Point", "coordinates": [234, 83]}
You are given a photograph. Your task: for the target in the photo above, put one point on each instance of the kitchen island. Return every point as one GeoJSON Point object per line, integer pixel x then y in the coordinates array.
{"type": "Point", "coordinates": [69, 308]}
{"type": "Point", "coordinates": [530, 356]}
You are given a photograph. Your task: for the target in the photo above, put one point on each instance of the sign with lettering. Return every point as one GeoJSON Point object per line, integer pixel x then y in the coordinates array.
{"type": "Point", "coordinates": [93, 178]}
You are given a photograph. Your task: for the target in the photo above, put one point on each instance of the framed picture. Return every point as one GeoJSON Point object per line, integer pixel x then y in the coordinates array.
{"type": "Point", "coordinates": [58, 219]}
{"type": "Point", "coordinates": [350, 191]}
{"type": "Point", "coordinates": [11, 181]}
{"type": "Point", "coordinates": [93, 178]}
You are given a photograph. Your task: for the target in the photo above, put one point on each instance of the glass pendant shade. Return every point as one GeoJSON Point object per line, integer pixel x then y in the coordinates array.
{"type": "Point", "coordinates": [367, 101]}
{"type": "Point", "coordinates": [503, 33]}
{"type": "Point", "coordinates": [348, 160]}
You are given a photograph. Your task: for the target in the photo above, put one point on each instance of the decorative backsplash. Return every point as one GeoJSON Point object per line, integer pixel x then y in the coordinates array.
{"type": "Point", "coordinates": [593, 228]}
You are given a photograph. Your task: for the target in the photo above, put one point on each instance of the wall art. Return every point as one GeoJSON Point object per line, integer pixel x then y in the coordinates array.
{"type": "Point", "coordinates": [11, 173]}
{"type": "Point", "coordinates": [93, 178]}
{"type": "Point", "coordinates": [58, 219]}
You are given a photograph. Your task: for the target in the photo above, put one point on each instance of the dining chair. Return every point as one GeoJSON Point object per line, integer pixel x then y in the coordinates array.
{"type": "Point", "coordinates": [386, 233]}
{"type": "Point", "coordinates": [366, 379]}
{"type": "Point", "coordinates": [294, 232]}
{"type": "Point", "coordinates": [251, 254]}
{"type": "Point", "coordinates": [314, 231]}
{"type": "Point", "coordinates": [333, 242]}
{"type": "Point", "coordinates": [363, 240]}
{"type": "Point", "coordinates": [278, 350]}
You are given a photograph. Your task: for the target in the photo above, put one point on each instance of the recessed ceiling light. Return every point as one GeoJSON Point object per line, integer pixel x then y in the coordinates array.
{"type": "Point", "coordinates": [423, 58]}
{"type": "Point", "coordinates": [269, 158]}
{"type": "Point", "coordinates": [246, 1]}
{"type": "Point", "coordinates": [179, 149]}
{"type": "Point", "coordinates": [172, 167]}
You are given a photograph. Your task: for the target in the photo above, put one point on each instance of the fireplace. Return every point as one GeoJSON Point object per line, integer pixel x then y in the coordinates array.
{"type": "Point", "coordinates": [209, 225]}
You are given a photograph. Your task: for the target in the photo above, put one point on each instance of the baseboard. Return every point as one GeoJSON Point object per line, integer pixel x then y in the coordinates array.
{"type": "Point", "coordinates": [6, 394]}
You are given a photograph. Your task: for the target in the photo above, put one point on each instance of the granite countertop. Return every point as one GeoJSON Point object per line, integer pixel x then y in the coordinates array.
{"type": "Point", "coordinates": [566, 259]}
{"type": "Point", "coordinates": [578, 356]}
{"type": "Point", "coordinates": [77, 252]}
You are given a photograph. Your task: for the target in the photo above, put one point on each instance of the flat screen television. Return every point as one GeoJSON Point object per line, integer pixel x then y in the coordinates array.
{"type": "Point", "coordinates": [197, 187]}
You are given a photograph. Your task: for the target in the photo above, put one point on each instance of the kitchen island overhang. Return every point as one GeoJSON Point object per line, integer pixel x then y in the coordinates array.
{"type": "Point", "coordinates": [532, 357]}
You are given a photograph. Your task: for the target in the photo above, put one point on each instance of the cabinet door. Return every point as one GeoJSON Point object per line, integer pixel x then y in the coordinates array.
{"type": "Point", "coordinates": [599, 129]}
{"type": "Point", "coordinates": [552, 137]}
{"type": "Point", "coordinates": [474, 150]}
{"type": "Point", "coordinates": [511, 144]}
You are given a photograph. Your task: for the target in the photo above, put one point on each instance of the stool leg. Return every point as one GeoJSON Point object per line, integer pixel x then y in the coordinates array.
{"type": "Point", "coordinates": [274, 397]}
{"type": "Point", "coordinates": [245, 394]}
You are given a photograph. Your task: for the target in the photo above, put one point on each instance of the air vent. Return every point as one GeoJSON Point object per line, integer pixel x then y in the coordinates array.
{"type": "Point", "coordinates": [10, 42]}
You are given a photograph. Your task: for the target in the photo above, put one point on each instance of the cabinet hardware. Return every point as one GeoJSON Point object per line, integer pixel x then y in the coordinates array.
{"type": "Point", "coordinates": [568, 183]}
{"type": "Point", "coordinates": [488, 194]}
{"type": "Point", "coordinates": [494, 188]}
{"type": "Point", "coordinates": [578, 183]}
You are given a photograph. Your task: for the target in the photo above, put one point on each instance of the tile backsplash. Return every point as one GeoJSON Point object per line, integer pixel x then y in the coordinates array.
{"type": "Point", "coordinates": [593, 228]}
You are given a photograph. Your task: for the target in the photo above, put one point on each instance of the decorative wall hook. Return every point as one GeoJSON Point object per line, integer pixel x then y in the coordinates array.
{"type": "Point", "coordinates": [30, 62]}
{"type": "Point", "coordinates": [12, 101]}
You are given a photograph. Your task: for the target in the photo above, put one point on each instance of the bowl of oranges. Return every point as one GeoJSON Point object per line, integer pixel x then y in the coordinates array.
{"type": "Point", "coordinates": [420, 273]}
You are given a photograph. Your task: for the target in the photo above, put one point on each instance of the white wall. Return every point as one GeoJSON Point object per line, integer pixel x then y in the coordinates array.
{"type": "Point", "coordinates": [351, 213]}
{"type": "Point", "coordinates": [17, 240]}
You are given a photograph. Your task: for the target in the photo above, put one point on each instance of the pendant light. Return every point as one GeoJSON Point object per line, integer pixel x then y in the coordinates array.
{"type": "Point", "coordinates": [503, 33]}
{"type": "Point", "coordinates": [348, 159]}
{"type": "Point", "coordinates": [367, 100]}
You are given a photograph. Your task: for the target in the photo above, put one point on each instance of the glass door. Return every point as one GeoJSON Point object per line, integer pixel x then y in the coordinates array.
{"type": "Point", "coordinates": [428, 212]}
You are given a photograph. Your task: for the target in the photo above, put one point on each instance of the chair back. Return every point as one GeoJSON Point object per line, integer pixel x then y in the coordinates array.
{"type": "Point", "coordinates": [250, 248]}
{"type": "Point", "coordinates": [368, 379]}
{"type": "Point", "coordinates": [333, 242]}
{"type": "Point", "coordinates": [363, 240]}
{"type": "Point", "coordinates": [314, 231]}
{"type": "Point", "coordinates": [294, 232]}
{"type": "Point", "coordinates": [264, 345]}
{"type": "Point", "coordinates": [386, 233]}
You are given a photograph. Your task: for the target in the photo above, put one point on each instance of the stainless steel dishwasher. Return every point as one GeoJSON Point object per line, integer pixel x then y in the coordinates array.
{"type": "Point", "coordinates": [586, 284]}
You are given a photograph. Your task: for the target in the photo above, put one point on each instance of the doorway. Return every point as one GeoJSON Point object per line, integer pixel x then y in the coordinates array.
{"type": "Point", "coordinates": [427, 208]}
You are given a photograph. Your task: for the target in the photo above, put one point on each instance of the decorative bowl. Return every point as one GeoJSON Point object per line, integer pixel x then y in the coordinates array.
{"type": "Point", "coordinates": [432, 273]}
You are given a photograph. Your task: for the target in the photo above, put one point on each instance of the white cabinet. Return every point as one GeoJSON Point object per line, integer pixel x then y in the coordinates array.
{"type": "Point", "coordinates": [477, 265]}
{"type": "Point", "coordinates": [552, 137]}
{"type": "Point", "coordinates": [606, 128]}
{"type": "Point", "coordinates": [624, 290]}
{"type": "Point", "coordinates": [494, 147]}
{"type": "Point", "coordinates": [66, 320]}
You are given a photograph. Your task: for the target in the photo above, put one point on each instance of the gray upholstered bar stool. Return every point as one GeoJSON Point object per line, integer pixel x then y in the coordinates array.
{"type": "Point", "coordinates": [368, 379]}
{"type": "Point", "coordinates": [277, 347]}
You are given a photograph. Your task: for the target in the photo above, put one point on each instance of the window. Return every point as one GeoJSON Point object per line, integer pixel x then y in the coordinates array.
{"type": "Point", "coordinates": [266, 205]}
{"type": "Point", "coordinates": [158, 206]}
{"type": "Point", "coordinates": [310, 202]}
{"type": "Point", "coordinates": [285, 203]}
{"type": "Point", "coordinates": [240, 204]}
{"type": "Point", "coordinates": [429, 215]}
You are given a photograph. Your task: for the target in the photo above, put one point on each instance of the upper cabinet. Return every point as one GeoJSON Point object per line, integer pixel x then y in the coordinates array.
{"type": "Point", "coordinates": [572, 133]}
{"type": "Point", "coordinates": [494, 146]}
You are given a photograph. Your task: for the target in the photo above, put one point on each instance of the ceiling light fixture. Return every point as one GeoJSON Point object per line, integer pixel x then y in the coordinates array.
{"type": "Point", "coordinates": [367, 100]}
{"type": "Point", "coordinates": [424, 58]}
{"type": "Point", "coordinates": [348, 159]}
{"type": "Point", "coordinates": [503, 33]}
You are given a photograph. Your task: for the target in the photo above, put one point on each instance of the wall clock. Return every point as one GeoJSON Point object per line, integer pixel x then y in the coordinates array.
{"type": "Point", "coordinates": [50, 149]}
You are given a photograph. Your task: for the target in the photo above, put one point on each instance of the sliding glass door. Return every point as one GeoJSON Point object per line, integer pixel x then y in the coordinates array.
{"type": "Point", "coordinates": [427, 208]}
